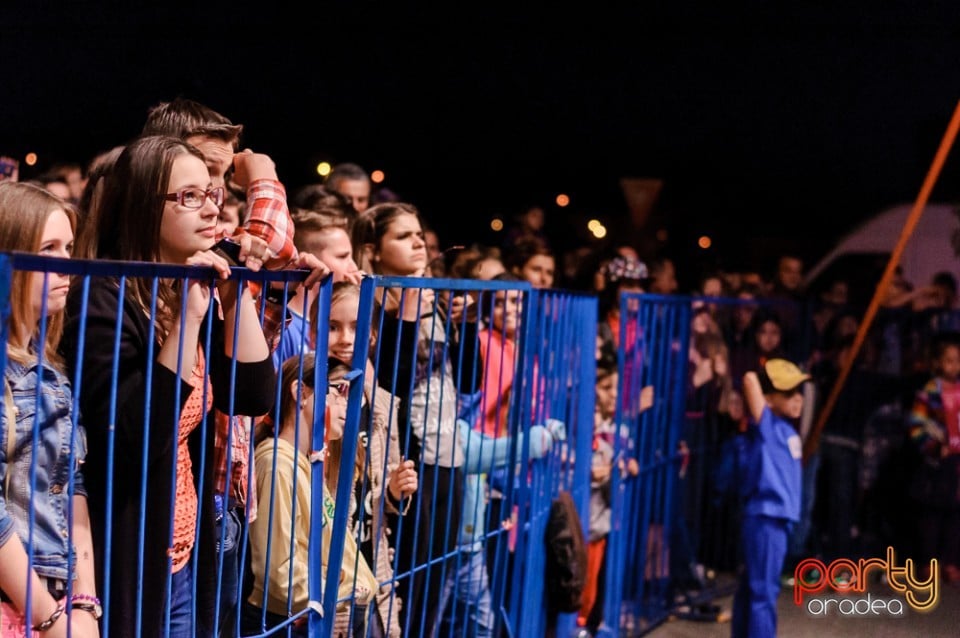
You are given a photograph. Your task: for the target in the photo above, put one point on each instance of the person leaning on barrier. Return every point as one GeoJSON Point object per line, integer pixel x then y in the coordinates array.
{"type": "Point", "coordinates": [160, 205]}
{"type": "Point", "coordinates": [34, 220]}
{"type": "Point", "coordinates": [265, 240]}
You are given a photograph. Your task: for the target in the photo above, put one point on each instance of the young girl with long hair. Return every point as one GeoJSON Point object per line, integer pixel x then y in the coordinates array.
{"type": "Point", "coordinates": [384, 479]}
{"type": "Point", "coordinates": [34, 220]}
{"type": "Point", "coordinates": [158, 204]}
{"type": "Point", "coordinates": [388, 238]}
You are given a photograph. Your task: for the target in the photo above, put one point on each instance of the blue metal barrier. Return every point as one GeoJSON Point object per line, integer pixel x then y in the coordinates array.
{"type": "Point", "coordinates": [433, 377]}
{"type": "Point", "coordinates": [654, 332]}
{"type": "Point", "coordinates": [673, 527]}
{"type": "Point", "coordinates": [510, 475]}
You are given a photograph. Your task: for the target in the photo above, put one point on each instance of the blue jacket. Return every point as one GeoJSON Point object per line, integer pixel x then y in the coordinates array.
{"type": "Point", "coordinates": [773, 471]}
{"type": "Point", "coordinates": [483, 454]}
{"type": "Point", "coordinates": [53, 555]}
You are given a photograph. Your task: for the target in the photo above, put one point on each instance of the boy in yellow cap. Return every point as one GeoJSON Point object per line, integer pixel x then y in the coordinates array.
{"type": "Point", "coordinates": [771, 477]}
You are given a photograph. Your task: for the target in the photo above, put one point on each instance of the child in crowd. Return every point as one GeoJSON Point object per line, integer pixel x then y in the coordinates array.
{"type": "Point", "coordinates": [602, 465]}
{"type": "Point", "coordinates": [771, 489]}
{"type": "Point", "coordinates": [383, 465]}
{"type": "Point", "coordinates": [531, 259]}
{"type": "Point", "coordinates": [159, 205]}
{"type": "Point", "coordinates": [279, 539]}
{"type": "Point", "coordinates": [34, 220]}
{"type": "Point", "coordinates": [487, 447]}
{"type": "Point", "coordinates": [326, 235]}
{"type": "Point", "coordinates": [934, 427]}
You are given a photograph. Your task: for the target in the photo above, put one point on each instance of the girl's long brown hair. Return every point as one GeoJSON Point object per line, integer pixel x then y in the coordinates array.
{"type": "Point", "coordinates": [125, 222]}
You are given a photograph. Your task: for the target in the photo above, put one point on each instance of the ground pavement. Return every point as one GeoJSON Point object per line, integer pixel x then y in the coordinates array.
{"type": "Point", "coordinates": [796, 622]}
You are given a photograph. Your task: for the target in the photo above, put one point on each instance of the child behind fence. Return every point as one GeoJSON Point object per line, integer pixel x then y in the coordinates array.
{"type": "Point", "coordinates": [33, 220]}
{"type": "Point", "coordinates": [603, 463]}
{"type": "Point", "coordinates": [386, 479]}
{"type": "Point", "coordinates": [282, 462]}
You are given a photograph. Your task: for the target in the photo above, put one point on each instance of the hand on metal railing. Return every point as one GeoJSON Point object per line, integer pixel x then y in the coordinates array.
{"type": "Point", "coordinates": [557, 429]}
{"type": "Point", "coordinates": [403, 481]}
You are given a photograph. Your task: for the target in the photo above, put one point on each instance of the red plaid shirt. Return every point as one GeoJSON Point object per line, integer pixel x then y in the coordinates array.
{"type": "Point", "coordinates": [268, 219]}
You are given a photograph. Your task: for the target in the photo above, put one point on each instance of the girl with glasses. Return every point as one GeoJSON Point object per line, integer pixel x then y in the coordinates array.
{"type": "Point", "coordinates": [279, 539]}
{"type": "Point", "coordinates": [167, 381]}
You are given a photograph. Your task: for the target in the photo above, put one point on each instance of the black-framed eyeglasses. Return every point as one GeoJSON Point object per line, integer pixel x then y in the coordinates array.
{"type": "Point", "coordinates": [193, 198]}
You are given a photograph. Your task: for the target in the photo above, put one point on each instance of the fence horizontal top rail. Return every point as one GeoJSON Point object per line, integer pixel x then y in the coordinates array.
{"type": "Point", "coordinates": [445, 283]}
{"type": "Point", "coordinates": [112, 268]}
{"type": "Point", "coordinates": [649, 297]}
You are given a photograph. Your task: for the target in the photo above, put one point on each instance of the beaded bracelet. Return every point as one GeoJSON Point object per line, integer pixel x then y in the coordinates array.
{"type": "Point", "coordinates": [49, 622]}
{"type": "Point", "coordinates": [87, 597]}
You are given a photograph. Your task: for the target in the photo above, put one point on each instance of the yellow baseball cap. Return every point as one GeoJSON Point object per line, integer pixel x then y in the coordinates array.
{"type": "Point", "coordinates": [784, 375]}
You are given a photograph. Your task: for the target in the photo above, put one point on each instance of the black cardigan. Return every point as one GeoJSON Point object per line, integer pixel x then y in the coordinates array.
{"type": "Point", "coordinates": [253, 396]}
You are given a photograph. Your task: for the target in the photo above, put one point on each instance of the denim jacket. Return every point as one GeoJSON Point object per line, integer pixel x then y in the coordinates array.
{"type": "Point", "coordinates": [53, 556]}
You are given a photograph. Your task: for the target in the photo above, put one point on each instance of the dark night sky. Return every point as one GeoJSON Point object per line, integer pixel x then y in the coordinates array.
{"type": "Point", "coordinates": [771, 127]}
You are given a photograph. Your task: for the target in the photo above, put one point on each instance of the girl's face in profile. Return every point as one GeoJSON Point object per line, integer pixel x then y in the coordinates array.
{"type": "Point", "coordinates": [402, 251]}
{"type": "Point", "coordinates": [184, 230]}
{"type": "Point", "coordinates": [56, 241]}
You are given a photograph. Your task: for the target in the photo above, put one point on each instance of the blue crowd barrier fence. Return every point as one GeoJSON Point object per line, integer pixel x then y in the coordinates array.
{"type": "Point", "coordinates": [278, 513]}
{"type": "Point", "coordinates": [488, 387]}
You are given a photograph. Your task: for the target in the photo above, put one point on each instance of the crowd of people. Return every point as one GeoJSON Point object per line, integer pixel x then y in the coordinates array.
{"type": "Point", "coordinates": [228, 368]}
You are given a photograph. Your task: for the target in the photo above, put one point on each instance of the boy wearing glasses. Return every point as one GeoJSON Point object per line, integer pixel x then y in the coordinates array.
{"type": "Point", "coordinates": [770, 473]}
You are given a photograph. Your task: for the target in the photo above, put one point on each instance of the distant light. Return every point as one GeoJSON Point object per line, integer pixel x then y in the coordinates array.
{"type": "Point", "coordinates": [30, 159]}
{"type": "Point", "coordinates": [662, 234]}
{"type": "Point", "coordinates": [377, 176]}
{"type": "Point", "coordinates": [324, 168]}
{"type": "Point", "coordinates": [562, 200]}
{"type": "Point", "coordinates": [597, 229]}
{"type": "Point", "coordinates": [496, 224]}
{"type": "Point", "coordinates": [704, 242]}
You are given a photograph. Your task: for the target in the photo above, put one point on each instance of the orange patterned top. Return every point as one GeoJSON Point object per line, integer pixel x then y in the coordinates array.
{"type": "Point", "coordinates": [185, 503]}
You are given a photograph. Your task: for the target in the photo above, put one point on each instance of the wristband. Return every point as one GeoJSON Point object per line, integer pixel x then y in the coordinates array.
{"type": "Point", "coordinates": [49, 622]}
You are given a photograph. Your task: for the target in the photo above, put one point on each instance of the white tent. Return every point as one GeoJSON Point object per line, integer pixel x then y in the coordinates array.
{"type": "Point", "coordinates": [929, 250]}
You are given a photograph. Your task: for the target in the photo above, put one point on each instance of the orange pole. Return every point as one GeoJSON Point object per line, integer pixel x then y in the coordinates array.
{"type": "Point", "coordinates": [928, 183]}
